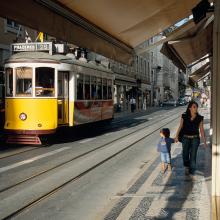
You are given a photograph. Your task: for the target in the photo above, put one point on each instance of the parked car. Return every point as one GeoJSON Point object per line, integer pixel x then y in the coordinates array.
{"type": "Point", "coordinates": [170, 102]}
{"type": "Point", "coordinates": [181, 101]}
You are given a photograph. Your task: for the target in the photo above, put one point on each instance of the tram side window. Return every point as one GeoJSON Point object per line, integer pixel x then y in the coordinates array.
{"type": "Point", "coordinates": [93, 87]}
{"type": "Point", "coordinates": [9, 82]}
{"type": "Point", "coordinates": [2, 83]}
{"type": "Point", "coordinates": [99, 88]}
{"type": "Point", "coordinates": [109, 89]}
{"type": "Point", "coordinates": [24, 77]}
{"type": "Point", "coordinates": [87, 87]}
{"type": "Point", "coordinates": [104, 84]}
{"type": "Point", "coordinates": [45, 82]}
{"type": "Point", "coordinates": [80, 95]}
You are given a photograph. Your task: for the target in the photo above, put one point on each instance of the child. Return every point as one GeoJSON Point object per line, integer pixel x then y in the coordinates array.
{"type": "Point", "coordinates": [164, 147]}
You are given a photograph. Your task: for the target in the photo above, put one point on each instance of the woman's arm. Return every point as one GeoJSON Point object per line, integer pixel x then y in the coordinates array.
{"type": "Point", "coordinates": [178, 130]}
{"type": "Point", "coordinates": [202, 132]}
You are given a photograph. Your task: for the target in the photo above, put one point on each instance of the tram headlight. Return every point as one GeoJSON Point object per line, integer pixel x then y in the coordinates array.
{"type": "Point", "coordinates": [23, 116]}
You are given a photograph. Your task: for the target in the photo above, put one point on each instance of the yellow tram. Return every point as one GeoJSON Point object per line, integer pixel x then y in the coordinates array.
{"type": "Point", "coordinates": [2, 99]}
{"type": "Point", "coordinates": [45, 90]}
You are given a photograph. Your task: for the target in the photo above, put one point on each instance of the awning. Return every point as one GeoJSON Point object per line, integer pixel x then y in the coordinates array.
{"type": "Point", "coordinates": [111, 28]}
{"type": "Point", "coordinates": [190, 46]}
{"type": "Point", "coordinates": [201, 72]}
{"type": "Point", "coordinates": [171, 54]}
{"type": "Point", "coordinates": [124, 80]}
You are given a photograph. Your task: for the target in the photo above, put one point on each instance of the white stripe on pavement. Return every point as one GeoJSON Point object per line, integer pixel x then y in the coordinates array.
{"type": "Point", "coordinates": [86, 140]}
{"type": "Point", "coordinates": [3, 169]}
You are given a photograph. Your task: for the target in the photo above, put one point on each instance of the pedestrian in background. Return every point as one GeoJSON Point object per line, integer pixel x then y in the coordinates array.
{"type": "Point", "coordinates": [190, 125]}
{"type": "Point", "coordinates": [164, 147]}
{"type": "Point", "coordinates": [132, 103]}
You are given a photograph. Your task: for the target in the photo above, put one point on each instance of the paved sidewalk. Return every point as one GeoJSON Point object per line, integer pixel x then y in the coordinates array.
{"type": "Point", "coordinates": [173, 195]}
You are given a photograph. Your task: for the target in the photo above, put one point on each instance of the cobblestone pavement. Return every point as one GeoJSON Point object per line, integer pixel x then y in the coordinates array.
{"type": "Point", "coordinates": [172, 195]}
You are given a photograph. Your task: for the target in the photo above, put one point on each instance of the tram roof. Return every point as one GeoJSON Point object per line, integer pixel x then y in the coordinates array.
{"type": "Point", "coordinates": [58, 58]}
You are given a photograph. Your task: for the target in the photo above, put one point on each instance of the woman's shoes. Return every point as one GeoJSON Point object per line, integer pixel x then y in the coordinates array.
{"type": "Point", "coordinates": [193, 177]}
{"type": "Point", "coordinates": [187, 171]}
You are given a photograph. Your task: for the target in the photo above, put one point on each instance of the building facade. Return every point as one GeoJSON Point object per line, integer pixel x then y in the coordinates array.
{"type": "Point", "coordinates": [151, 79]}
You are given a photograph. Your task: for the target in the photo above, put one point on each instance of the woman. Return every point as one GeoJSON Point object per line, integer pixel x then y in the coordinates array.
{"type": "Point", "coordinates": [190, 124]}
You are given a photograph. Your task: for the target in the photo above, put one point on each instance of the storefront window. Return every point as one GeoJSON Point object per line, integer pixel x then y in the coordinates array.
{"type": "Point", "coordinates": [79, 86]}
{"type": "Point", "coordinates": [9, 82]}
{"type": "Point", "coordinates": [45, 82]}
{"type": "Point", "coordinates": [24, 77]}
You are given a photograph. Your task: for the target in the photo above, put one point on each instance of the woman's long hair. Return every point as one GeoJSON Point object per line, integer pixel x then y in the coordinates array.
{"type": "Point", "coordinates": [188, 113]}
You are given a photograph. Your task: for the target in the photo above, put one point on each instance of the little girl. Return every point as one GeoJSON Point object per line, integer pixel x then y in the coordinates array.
{"type": "Point", "coordinates": [164, 147]}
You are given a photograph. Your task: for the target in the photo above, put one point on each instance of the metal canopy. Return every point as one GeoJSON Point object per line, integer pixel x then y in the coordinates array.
{"type": "Point", "coordinates": [192, 45]}
{"type": "Point", "coordinates": [201, 72]}
{"type": "Point", "coordinates": [111, 28]}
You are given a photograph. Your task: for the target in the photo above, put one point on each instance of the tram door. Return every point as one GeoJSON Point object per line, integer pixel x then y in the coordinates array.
{"type": "Point", "coordinates": [63, 97]}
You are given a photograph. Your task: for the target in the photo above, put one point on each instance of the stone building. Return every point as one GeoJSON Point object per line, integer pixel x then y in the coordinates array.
{"type": "Point", "coordinates": [11, 32]}
{"type": "Point", "coordinates": [167, 78]}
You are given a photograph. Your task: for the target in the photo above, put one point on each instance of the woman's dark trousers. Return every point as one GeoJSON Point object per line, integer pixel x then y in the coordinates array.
{"type": "Point", "coordinates": [190, 148]}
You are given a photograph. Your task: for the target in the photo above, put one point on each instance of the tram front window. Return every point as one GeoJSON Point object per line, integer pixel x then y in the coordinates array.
{"type": "Point", "coordinates": [24, 77]}
{"type": "Point", "coordinates": [45, 86]}
{"type": "Point", "coordinates": [9, 82]}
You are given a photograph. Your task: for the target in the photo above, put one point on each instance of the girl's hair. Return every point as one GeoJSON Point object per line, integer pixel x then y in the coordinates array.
{"type": "Point", "coordinates": [165, 132]}
{"type": "Point", "coordinates": [191, 103]}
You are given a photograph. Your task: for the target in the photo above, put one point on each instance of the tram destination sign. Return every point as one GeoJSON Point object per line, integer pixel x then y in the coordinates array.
{"type": "Point", "coordinates": [31, 47]}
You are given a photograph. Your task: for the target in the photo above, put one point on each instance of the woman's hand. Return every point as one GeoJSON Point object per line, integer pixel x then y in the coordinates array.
{"type": "Point", "coordinates": [176, 139]}
{"type": "Point", "coordinates": [205, 145]}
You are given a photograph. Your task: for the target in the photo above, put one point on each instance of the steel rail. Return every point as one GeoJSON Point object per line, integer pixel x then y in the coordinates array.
{"type": "Point", "coordinates": [53, 191]}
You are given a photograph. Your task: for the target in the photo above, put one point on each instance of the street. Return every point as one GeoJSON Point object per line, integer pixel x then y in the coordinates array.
{"type": "Point", "coordinates": [79, 179]}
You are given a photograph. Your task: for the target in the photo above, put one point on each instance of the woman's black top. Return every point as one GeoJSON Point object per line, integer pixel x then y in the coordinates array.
{"type": "Point", "coordinates": [191, 127]}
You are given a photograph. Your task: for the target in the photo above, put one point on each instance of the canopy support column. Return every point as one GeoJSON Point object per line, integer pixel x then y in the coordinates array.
{"type": "Point", "coordinates": [216, 115]}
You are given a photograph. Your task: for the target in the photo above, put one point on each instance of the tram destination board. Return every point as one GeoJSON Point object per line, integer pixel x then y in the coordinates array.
{"type": "Point", "coordinates": [28, 47]}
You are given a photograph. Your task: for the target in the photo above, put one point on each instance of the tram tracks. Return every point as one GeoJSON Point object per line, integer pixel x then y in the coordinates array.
{"type": "Point", "coordinates": [71, 180]}
{"type": "Point", "coordinates": [78, 156]}
{"type": "Point", "coordinates": [33, 148]}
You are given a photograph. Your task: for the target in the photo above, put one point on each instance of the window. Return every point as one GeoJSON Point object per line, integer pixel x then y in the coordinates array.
{"type": "Point", "coordinates": [99, 88]}
{"type": "Point", "coordinates": [12, 24]}
{"type": "Point", "coordinates": [13, 27]}
{"type": "Point", "coordinates": [104, 86]}
{"type": "Point", "coordinates": [45, 82]}
{"type": "Point", "coordinates": [1, 85]}
{"type": "Point", "coordinates": [152, 57]}
{"type": "Point", "coordinates": [87, 87]}
{"type": "Point", "coordinates": [141, 65]}
{"type": "Point", "coordinates": [145, 67]}
{"type": "Point", "coordinates": [93, 87]}
{"type": "Point", "coordinates": [109, 89]}
{"type": "Point", "coordinates": [9, 82]}
{"type": "Point", "coordinates": [148, 71]}
{"type": "Point", "coordinates": [1, 77]}
{"type": "Point", "coordinates": [79, 86]}
{"type": "Point", "coordinates": [24, 77]}
{"type": "Point", "coordinates": [136, 63]}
